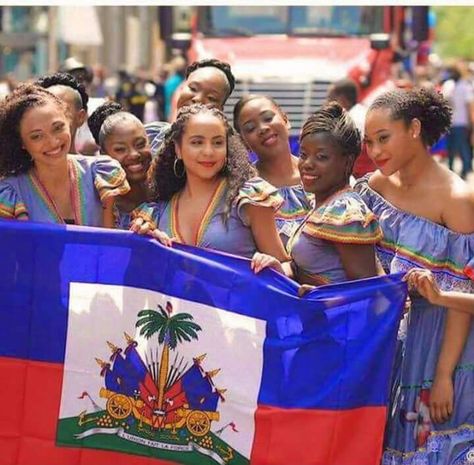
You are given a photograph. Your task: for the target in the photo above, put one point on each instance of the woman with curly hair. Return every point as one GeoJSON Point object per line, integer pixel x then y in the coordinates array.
{"type": "Point", "coordinates": [264, 128]}
{"type": "Point", "coordinates": [336, 241]}
{"type": "Point", "coordinates": [206, 191]}
{"type": "Point", "coordinates": [122, 136]}
{"type": "Point", "coordinates": [39, 180]}
{"type": "Point", "coordinates": [426, 213]}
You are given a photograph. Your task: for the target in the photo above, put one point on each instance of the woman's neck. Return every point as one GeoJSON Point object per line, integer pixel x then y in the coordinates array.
{"type": "Point", "coordinates": [52, 178]}
{"type": "Point", "coordinates": [283, 166]}
{"type": "Point", "coordinates": [197, 187]}
{"type": "Point", "coordinates": [138, 194]}
{"type": "Point", "coordinates": [415, 170]}
{"type": "Point", "coordinates": [323, 197]}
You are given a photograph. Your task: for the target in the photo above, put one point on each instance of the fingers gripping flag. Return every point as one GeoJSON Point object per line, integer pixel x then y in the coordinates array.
{"type": "Point", "coordinates": [118, 350]}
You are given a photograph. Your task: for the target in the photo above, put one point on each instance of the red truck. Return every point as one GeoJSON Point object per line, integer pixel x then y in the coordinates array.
{"type": "Point", "coordinates": [293, 53]}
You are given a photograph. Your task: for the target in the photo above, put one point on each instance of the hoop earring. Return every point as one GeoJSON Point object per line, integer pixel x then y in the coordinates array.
{"type": "Point", "coordinates": [175, 170]}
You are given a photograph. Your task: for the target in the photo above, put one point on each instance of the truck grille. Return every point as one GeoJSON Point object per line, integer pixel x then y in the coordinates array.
{"type": "Point", "coordinates": [298, 100]}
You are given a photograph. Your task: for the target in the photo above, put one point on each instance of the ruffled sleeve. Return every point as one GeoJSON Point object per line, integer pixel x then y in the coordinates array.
{"type": "Point", "coordinates": [346, 219]}
{"type": "Point", "coordinates": [11, 205]}
{"type": "Point", "coordinates": [258, 192]}
{"type": "Point", "coordinates": [150, 212]}
{"type": "Point", "coordinates": [110, 179]}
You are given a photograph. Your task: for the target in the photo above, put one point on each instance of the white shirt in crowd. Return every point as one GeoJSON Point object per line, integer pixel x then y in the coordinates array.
{"type": "Point", "coordinates": [460, 95]}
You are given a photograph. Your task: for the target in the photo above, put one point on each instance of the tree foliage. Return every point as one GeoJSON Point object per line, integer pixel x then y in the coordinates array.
{"type": "Point", "coordinates": [454, 32]}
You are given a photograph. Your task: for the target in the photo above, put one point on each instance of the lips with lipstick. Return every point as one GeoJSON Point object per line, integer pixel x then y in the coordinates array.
{"type": "Point", "coordinates": [307, 178]}
{"type": "Point", "coordinates": [269, 140]}
{"type": "Point", "coordinates": [208, 164]}
{"type": "Point", "coordinates": [381, 163]}
{"type": "Point", "coordinates": [57, 152]}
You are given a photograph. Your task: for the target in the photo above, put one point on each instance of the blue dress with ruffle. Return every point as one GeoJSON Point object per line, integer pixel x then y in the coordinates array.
{"type": "Point", "coordinates": [410, 241]}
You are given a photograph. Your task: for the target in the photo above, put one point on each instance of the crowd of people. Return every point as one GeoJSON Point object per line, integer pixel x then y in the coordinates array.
{"type": "Point", "coordinates": [316, 216]}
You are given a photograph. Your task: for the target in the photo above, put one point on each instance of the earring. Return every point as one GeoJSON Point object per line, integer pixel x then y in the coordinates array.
{"type": "Point", "coordinates": [175, 170]}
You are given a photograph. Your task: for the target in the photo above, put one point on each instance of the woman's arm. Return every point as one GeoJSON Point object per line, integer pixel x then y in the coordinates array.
{"type": "Point", "coordinates": [108, 218]}
{"type": "Point", "coordinates": [358, 260]}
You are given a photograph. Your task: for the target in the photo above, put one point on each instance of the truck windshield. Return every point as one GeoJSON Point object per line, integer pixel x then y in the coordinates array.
{"type": "Point", "coordinates": [292, 20]}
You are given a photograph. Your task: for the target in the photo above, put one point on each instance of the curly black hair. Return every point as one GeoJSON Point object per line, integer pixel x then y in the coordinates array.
{"type": "Point", "coordinates": [67, 80]}
{"type": "Point", "coordinates": [426, 105]}
{"type": "Point", "coordinates": [14, 159]}
{"type": "Point", "coordinates": [248, 98]}
{"type": "Point", "coordinates": [99, 115]}
{"type": "Point", "coordinates": [333, 120]}
{"type": "Point", "coordinates": [165, 183]}
{"type": "Point", "coordinates": [212, 62]}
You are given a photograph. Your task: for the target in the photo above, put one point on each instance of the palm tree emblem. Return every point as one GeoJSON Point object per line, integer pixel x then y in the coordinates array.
{"type": "Point", "coordinates": [171, 331]}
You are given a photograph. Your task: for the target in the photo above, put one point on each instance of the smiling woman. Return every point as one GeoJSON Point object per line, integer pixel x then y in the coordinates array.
{"type": "Point", "coordinates": [206, 191]}
{"type": "Point", "coordinates": [122, 136]}
{"type": "Point", "coordinates": [39, 180]}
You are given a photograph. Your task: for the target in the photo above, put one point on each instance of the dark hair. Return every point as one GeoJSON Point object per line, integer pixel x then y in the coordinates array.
{"type": "Point", "coordinates": [165, 183]}
{"type": "Point", "coordinates": [14, 159]}
{"type": "Point", "coordinates": [99, 115]}
{"type": "Point", "coordinates": [427, 105]}
{"type": "Point", "coordinates": [211, 62]}
{"type": "Point", "coordinates": [248, 98]}
{"type": "Point", "coordinates": [67, 80]}
{"type": "Point", "coordinates": [346, 87]}
{"type": "Point", "coordinates": [333, 120]}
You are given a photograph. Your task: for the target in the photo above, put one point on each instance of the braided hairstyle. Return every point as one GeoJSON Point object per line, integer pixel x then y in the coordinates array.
{"type": "Point", "coordinates": [427, 105]}
{"type": "Point", "coordinates": [14, 159]}
{"type": "Point", "coordinates": [97, 118]}
{"type": "Point", "coordinates": [165, 183]}
{"type": "Point", "coordinates": [333, 120]}
{"type": "Point", "coordinates": [212, 62]}
{"type": "Point", "coordinates": [66, 80]}
{"type": "Point", "coordinates": [248, 98]}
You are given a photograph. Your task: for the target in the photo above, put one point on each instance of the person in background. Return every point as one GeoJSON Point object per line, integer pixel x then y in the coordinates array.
{"type": "Point", "coordinates": [121, 135]}
{"type": "Point", "coordinates": [426, 213]}
{"type": "Point", "coordinates": [264, 128]}
{"type": "Point", "coordinates": [205, 190]}
{"type": "Point", "coordinates": [174, 79]}
{"type": "Point", "coordinates": [39, 181]}
{"type": "Point", "coordinates": [460, 94]}
{"type": "Point", "coordinates": [336, 241]}
{"type": "Point", "coordinates": [66, 87]}
{"type": "Point", "coordinates": [346, 93]}
{"type": "Point", "coordinates": [206, 81]}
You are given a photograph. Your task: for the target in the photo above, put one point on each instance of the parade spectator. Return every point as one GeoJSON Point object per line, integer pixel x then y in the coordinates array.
{"type": "Point", "coordinates": [427, 217]}
{"type": "Point", "coordinates": [346, 93]}
{"type": "Point", "coordinates": [460, 94]}
{"type": "Point", "coordinates": [264, 128]}
{"type": "Point", "coordinates": [174, 79]}
{"type": "Point", "coordinates": [41, 182]}
{"type": "Point", "coordinates": [122, 136]}
{"type": "Point", "coordinates": [131, 94]}
{"type": "Point", "coordinates": [206, 191]}
{"type": "Point", "coordinates": [336, 241]}
{"type": "Point", "coordinates": [207, 81]}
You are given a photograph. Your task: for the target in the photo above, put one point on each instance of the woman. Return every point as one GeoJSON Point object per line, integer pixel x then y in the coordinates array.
{"type": "Point", "coordinates": [264, 129]}
{"type": "Point", "coordinates": [336, 241]}
{"type": "Point", "coordinates": [427, 217]}
{"type": "Point", "coordinates": [41, 182]}
{"type": "Point", "coordinates": [206, 191]}
{"type": "Point", "coordinates": [122, 136]}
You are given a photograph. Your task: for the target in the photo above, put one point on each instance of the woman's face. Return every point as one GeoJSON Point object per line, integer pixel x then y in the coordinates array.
{"type": "Point", "coordinates": [206, 85]}
{"type": "Point", "coordinates": [323, 167]}
{"type": "Point", "coordinates": [264, 128]}
{"type": "Point", "coordinates": [390, 143]}
{"type": "Point", "coordinates": [45, 134]}
{"type": "Point", "coordinates": [128, 144]}
{"type": "Point", "coordinates": [203, 146]}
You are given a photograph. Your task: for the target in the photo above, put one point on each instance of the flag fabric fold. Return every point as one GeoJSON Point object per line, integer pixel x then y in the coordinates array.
{"type": "Point", "coordinates": [117, 350]}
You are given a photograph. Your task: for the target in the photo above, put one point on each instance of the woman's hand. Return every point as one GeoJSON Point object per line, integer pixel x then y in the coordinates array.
{"type": "Point", "coordinates": [441, 399]}
{"type": "Point", "coordinates": [424, 282]}
{"type": "Point", "coordinates": [143, 227]}
{"type": "Point", "coordinates": [262, 260]}
{"type": "Point", "coordinates": [304, 289]}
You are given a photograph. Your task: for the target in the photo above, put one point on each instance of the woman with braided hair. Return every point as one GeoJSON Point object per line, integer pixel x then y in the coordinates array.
{"type": "Point", "coordinates": [205, 190]}
{"type": "Point", "coordinates": [39, 180]}
{"type": "Point", "coordinates": [426, 214]}
{"type": "Point", "coordinates": [122, 136]}
{"type": "Point", "coordinates": [336, 241]}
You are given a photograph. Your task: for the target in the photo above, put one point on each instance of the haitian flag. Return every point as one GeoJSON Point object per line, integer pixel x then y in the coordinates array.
{"type": "Point", "coordinates": [117, 350]}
